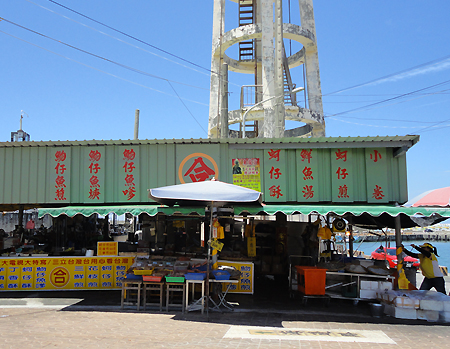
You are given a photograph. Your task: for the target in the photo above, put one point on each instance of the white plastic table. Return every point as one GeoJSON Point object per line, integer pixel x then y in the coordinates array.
{"type": "Point", "coordinates": [223, 294]}
{"type": "Point", "coordinates": [199, 303]}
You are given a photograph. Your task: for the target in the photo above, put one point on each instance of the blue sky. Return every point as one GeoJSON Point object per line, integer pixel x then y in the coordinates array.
{"type": "Point", "coordinates": [385, 70]}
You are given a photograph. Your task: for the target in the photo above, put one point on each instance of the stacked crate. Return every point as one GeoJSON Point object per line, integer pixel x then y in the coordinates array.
{"type": "Point", "coordinates": [423, 305]}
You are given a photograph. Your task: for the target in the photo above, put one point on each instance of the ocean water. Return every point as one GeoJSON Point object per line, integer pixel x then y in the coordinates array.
{"type": "Point", "coordinates": [443, 249]}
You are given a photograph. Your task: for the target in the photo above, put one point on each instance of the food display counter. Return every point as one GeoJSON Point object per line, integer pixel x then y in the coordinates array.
{"type": "Point", "coordinates": [356, 286]}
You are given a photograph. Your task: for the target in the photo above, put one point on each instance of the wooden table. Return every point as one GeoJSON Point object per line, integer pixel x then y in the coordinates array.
{"type": "Point", "coordinates": [173, 287]}
{"type": "Point", "coordinates": [131, 285]}
{"type": "Point", "coordinates": [153, 286]}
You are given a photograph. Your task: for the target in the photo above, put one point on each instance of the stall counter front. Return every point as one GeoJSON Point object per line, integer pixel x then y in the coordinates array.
{"type": "Point", "coordinates": [63, 273]}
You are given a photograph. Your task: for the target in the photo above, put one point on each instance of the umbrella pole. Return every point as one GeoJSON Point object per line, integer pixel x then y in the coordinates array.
{"type": "Point", "coordinates": [207, 261]}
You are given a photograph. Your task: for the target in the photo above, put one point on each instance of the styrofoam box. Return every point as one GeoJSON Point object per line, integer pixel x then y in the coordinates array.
{"type": "Point", "coordinates": [368, 294]}
{"type": "Point", "coordinates": [369, 285]}
{"type": "Point", "coordinates": [385, 285]}
{"type": "Point", "coordinates": [407, 302]}
{"type": "Point", "coordinates": [429, 315]}
{"type": "Point", "coordinates": [447, 304]}
{"type": "Point", "coordinates": [400, 313]}
{"type": "Point", "coordinates": [444, 316]}
{"type": "Point", "coordinates": [431, 304]}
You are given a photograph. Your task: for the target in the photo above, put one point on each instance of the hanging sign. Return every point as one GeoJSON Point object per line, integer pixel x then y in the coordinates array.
{"type": "Point", "coordinates": [217, 245]}
{"type": "Point", "coordinates": [107, 248]}
{"type": "Point", "coordinates": [251, 246]}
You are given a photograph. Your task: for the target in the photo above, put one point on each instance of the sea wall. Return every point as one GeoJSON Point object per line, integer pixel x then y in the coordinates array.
{"type": "Point", "coordinates": [409, 236]}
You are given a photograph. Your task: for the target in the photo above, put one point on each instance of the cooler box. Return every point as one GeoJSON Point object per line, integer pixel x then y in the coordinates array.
{"type": "Point", "coordinates": [311, 280]}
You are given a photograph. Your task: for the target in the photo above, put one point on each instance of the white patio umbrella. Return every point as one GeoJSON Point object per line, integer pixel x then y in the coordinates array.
{"type": "Point", "coordinates": [204, 193]}
{"type": "Point", "coordinates": [207, 193]}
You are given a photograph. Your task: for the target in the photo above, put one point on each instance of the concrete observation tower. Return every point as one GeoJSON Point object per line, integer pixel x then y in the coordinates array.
{"type": "Point", "coordinates": [272, 99]}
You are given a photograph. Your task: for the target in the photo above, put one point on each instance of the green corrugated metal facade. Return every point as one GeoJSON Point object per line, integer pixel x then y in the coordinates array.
{"type": "Point", "coordinates": [288, 170]}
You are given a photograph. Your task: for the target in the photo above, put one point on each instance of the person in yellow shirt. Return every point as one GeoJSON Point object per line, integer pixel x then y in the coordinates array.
{"type": "Point", "coordinates": [429, 266]}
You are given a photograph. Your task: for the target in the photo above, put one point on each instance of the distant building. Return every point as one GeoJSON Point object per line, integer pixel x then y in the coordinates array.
{"type": "Point", "coordinates": [20, 136]}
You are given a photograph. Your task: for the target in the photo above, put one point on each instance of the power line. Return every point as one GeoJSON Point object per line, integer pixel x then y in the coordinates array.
{"type": "Point", "coordinates": [392, 75]}
{"type": "Point", "coordinates": [132, 37]}
{"type": "Point", "coordinates": [383, 106]}
{"type": "Point", "coordinates": [101, 71]}
{"type": "Point", "coordinates": [100, 57]}
{"type": "Point", "coordinates": [390, 99]}
{"type": "Point", "coordinates": [385, 94]}
{"type": "Point", "coordinates": [435, 125]}
{"type": "Point", "coordinates": [187, 108]}
{"type": "Point", "coordinates": [115, 38]}
{"type": "Point", "coordinates": [367, 125]}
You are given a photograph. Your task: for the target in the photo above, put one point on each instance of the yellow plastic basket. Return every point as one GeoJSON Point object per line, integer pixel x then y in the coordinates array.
{"type": "Point", "coordinates": [143, 272]}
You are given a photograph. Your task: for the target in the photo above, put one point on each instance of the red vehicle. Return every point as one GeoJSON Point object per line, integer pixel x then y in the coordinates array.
{"type": "Point", "coordinates": [391, 258]}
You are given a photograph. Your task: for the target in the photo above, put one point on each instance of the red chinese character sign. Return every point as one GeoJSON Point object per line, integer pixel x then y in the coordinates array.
{"type": "Point", "coordinates": [128, 171]}
{"type": "Point", "coordinates": [377, 175]}
{"type": "Point", "coordinates": [308, 175]}
{"type": "Point", "coordinates": [275, 189]}
{"type": "Point", "coordinates": [59, 186]}
{"type": "Point", "coordinates": [342, 175]}
{"type": "Point", "coordinates": [94, 174]}
{"type": "Point", "coordinates": [246, 173]}
{"type": "Point", "coordinates": [197, 167]}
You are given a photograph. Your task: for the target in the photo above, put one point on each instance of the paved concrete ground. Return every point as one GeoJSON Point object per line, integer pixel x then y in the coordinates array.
{"type": "Point", "coordinates": [43, 327]}
{"type": "Point", "coordinates": [94, 320]}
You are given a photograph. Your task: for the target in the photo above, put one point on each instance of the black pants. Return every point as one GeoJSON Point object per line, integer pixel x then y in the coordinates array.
{"type": "Point", "coordinates": [438, 283]}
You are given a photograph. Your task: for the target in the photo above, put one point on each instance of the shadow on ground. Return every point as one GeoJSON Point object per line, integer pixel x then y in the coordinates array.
{"type": "Point", "coordinates": [270, 306]}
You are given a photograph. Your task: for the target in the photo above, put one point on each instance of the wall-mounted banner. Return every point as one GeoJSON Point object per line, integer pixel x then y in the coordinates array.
{"type": "Point", "coordinates": [275, 187]}
{"type": "Point", "coordinates": [128, 170]}
{"type": "Point", "coordinates": [94, 175]}
{"type": "Point", "coordinates": [377, 178]}
{"type": "Point", "coordinates": [308, 175]}
{"type": "Point", "coordinates": [247, 173]}
{"type": "Point", "coordinates": [59, 175]}
{"type": "Point", "coordinates": [342, 173]}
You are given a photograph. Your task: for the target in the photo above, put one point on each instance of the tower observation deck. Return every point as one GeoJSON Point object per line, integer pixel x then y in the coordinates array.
{"type": "Point", "coordinates": [272, 99]}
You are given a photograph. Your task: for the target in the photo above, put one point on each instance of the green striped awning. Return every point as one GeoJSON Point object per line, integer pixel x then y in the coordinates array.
{"type": "Point", "coordinates": [342, 210]}
{"type": "Point", "coordinates": [151, 210]}
{"type": "Point", "coordinates": [338, 210]}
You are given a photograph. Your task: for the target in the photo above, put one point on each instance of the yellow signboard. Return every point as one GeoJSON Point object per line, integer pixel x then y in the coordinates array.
{"type": "Point", "coordinates": [63, 273]}
{"type": "Point", "coordinates": [217, 245]}
{"type": "Point", "coordinates": [245, 284]}
{"type": "Point", "coordinates": [107, 248]}
{"type": "Point", "coordinates": [251, 246]}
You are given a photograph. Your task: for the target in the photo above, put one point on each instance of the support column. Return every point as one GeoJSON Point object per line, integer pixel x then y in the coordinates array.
{"type": "Point", "coordinates": [279, 81]}
{"type": "Point", "coordinates": [268, 69]}
{"type": "Point", "coordinates": [398, 243]}
{"type": "Point", "coordinates": [223, 126]}
{"type": "Point", "coordinates": [214, 99]}
{"type": "Point", "coordinates": [258, 70]}
{"type": "Point", "coordinates": [312, 65]}
{"type": "Point", "coordinates": [20, 217]}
